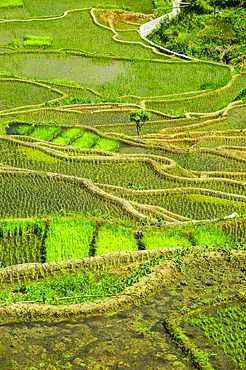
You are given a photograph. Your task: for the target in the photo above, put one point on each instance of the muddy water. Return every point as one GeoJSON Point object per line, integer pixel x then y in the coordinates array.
{"type": "Point", "coordinates": [132, 339]}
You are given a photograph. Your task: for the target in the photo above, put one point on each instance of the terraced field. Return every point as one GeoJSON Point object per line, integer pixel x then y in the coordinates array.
{"type": "Point", "coordinates": [78, 181]}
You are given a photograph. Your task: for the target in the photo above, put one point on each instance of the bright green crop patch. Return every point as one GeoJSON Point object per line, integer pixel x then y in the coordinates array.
{"type": "Point", "coordinates": [69, 239]}
{"type": "Point", "coordinates": [107, 144]}
{"type": "Point", "coordinates": [86, 141]}
{"type": "Point", "coordinates": [45, 132]}
{"type": "Point", "coordinates": [113, 238]}
{"type": "Point", "coordinates": [11, 3]}
{"type": "Point", "coordinates": [210, 236]}
{"type": "Point", "coordinates": [156, 240]}
{"type": "Point", "coordinates": [24, 130]}
{"type": "Point", "coordinates": [36, 41]}
{"type": "Point", "coordinates": [68, 136]}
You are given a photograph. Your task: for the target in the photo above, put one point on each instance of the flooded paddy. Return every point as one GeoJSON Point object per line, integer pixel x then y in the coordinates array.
{"type": "Point", "coordinates": [133, 338]}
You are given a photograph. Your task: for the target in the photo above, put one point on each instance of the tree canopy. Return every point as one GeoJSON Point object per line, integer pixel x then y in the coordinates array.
{"type": "Point", "coordinates": [139, 116]}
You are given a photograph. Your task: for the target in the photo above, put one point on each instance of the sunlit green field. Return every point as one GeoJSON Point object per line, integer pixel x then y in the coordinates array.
{"type": "Point", "coordinates": [122, 175]}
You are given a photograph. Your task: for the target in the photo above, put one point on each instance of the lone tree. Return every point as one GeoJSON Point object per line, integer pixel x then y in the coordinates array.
{"type": "Point", "coordinates": [139, 117]}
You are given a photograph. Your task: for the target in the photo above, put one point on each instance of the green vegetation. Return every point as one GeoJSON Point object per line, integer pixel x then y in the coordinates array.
{"type": "Point", "coordinates": [80, 283]}
{"type": "Point", "coordinates": [171, 190]}
{"type": "Point", "coordinates": [155, 240]}
{"type": "Point", "coordinates": [115, 78]}
{"type": "Point", "coordinates": [24, 130]}
{"type": "Point", "coordinates": [162, 7]}
{"type": "Point", "coordinates": [45, 132]}
{"type": "Point", "coordinates": [107, 144]}
{"type": "Point", "coordinates": [31, 41]}
{"type": "Point", "coordinates": [13, 94]}
{"type": "Point", "coordinates": [211, 237]}
{"type": "Point", "coordinates": [225, 328]}
{"type": "Point", "coordinates": [72, 237]}
{"type": "Point", "coordinates": [204, 33]}
{"type": "Point", "coordinates": [68, 239]}
{"type": "Point", "coordinates": [66, 285]}
{"type": "Point", "coordinates": [11, 3]}
{"type": "Point", "coordinates": [21, 242]}
{"type": "Point", "coordinates": [67, 136]}
{"type": "Point", "coordinates": [87, 140]}
{"type": "Point", "coordinates": [30, 196]}
{"type": "Point", "coordinates": [112, 238]}
{"type": "Point", "coordinates": [46, 7]}
{"type": "Point", "coordinates": [139, 117]}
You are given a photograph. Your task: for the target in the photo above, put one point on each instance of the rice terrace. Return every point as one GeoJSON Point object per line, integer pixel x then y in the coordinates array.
{"type": "Point", "coordinates": [122, 184]}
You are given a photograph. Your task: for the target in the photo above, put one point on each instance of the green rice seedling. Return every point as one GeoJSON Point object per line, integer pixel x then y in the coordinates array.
{"type": "Point", "coordinates": [68, 136]}
{"type": "Point", "coordinates": [11, 3]}
{"type": "Point", "coordinates": [16, 94]}
{"type": "Point", "coordinates": [107, 144]}
{"type": "Point", "coordinates": [21, 242]}
{"type": "Point", "coordinates": [45, 132]}
{"type": "Point", "coordinates": [191, 204]}
{"type": "Point", "coordinates": [113, 238]}
{"type": "Point", "coordinates": [223, 330]}
{"type": "Point", "coordinates": [209, 102]}
{"type": "Point", "coordinates": [87, 140]}
{"type": "Point", "coordinates": [36, 41]}
{"type": "Point", "coordinates": [152, 240]}
{"type": "Point", "coordinates": [64, 33]}
{"type": "Point", "coordinates": [206, 161]}
{"type": "Point", "coordinates": [116, 78]}
{"type": "Point", "coordinates": [24, 130]}
{"type": "Point", "coordinates": [53, 7]}
{"type": "Point", "coordinates": [49, 115]}
{"type": "Point", "coordinates": [210, 236]}
{"type": "Point", "coordinates": [69, 239]}
{"type": "Point", "coordinates": [29, 196]}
